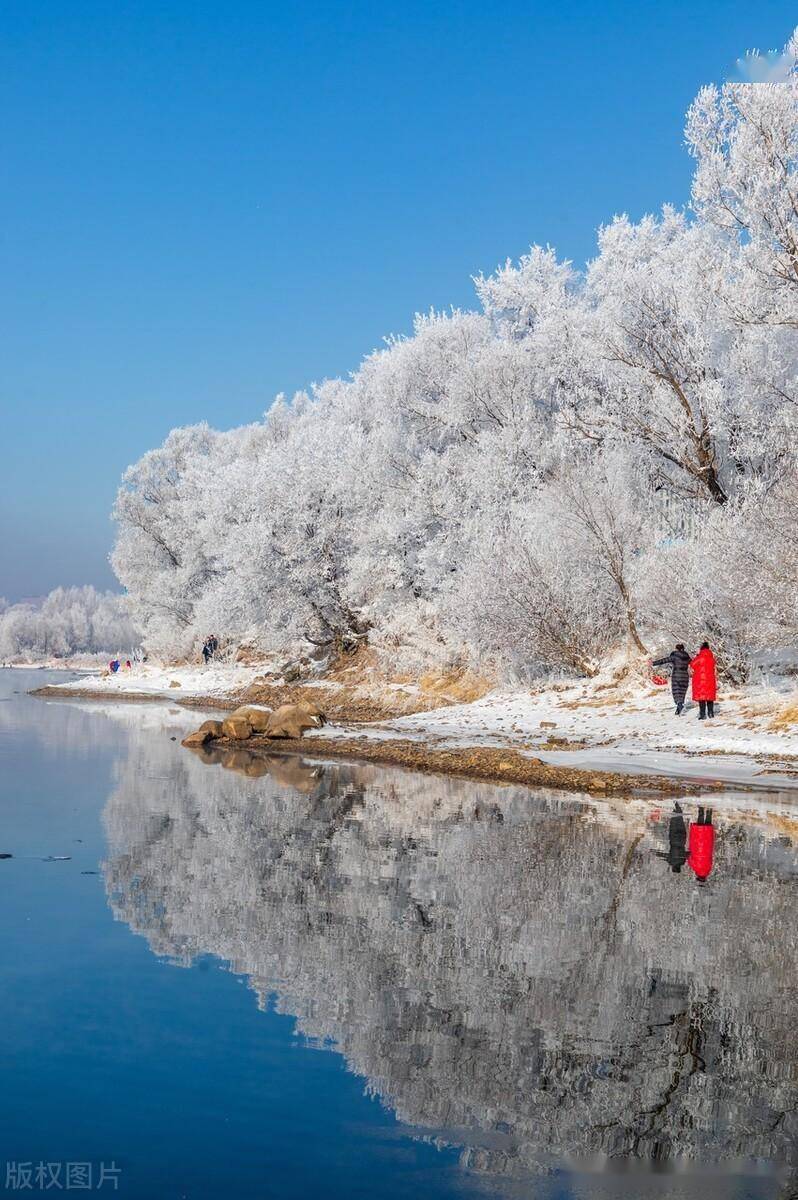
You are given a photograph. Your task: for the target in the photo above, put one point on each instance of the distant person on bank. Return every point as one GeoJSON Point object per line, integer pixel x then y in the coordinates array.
{"type": "Point", "coordinates": [705, 681]}
{"type": "Point", "coordinates": [679, 661]}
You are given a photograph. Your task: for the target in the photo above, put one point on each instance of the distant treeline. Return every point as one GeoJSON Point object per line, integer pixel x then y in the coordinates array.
{"type": "Point", "coordinates": [67, 623]}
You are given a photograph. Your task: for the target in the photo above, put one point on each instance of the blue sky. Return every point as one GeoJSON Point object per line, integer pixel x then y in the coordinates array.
{"type": "Point", "coordinates": [205, 204]}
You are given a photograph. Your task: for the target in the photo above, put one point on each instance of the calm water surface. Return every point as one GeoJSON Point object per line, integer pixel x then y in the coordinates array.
{"type": "Point", "coordinates": [235, 979]}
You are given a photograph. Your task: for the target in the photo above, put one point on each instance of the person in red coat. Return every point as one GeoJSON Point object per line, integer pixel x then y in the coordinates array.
{"type": "Point", "coordinates": [701, 845]}
{"type": "Point", "coordinates": [705, 681]}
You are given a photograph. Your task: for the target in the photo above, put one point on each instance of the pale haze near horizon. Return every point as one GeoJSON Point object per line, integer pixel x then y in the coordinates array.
{"type": "Point", "coordinates": [204, 208]}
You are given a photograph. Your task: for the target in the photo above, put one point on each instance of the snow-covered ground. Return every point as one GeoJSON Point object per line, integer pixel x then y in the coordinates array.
{"type": "Point", "coordinates": [582, 713]}
{"type": "Point", "coordinates": [154, 679]}
{"type": "Point", "coordinates": [627, 729]}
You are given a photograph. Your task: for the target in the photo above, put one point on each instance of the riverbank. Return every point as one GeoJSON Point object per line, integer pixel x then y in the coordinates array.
{"type": "Point", "coordinates": [351, 691]}
{"type": "Point", "coordinates": [472, 762]}
{"type": "Point", "coordinates": [605, 735]}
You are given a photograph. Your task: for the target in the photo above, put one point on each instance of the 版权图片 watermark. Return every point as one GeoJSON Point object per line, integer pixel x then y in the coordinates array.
{"type": "Point", "coordinates": [61, 1176]}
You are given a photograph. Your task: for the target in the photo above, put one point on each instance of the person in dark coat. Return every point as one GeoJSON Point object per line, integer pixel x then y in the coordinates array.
{"type": "Point", "coordinates": [705, 681]}
{"type": "Point", "coordinates": [679, 661]}
{"type": "Point", "coordinates": [677, 841]}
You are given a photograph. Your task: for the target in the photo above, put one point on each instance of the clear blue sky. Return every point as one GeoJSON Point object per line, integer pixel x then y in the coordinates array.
{"type": "Point", "coordinates": [203, 204]}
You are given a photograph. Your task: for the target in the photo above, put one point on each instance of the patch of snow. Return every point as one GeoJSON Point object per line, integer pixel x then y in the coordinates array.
{"type": "Point", "coordinates": [629, 730]}
{"type": "Point", "coordinates": [150, 678]}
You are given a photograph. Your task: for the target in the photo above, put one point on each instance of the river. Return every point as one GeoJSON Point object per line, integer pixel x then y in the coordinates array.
{"type": "Point", "coordinates": [232, 978]}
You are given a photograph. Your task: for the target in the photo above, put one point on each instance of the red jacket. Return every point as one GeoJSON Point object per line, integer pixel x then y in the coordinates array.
{"type": "Point", "coordinates": [701, 849]}
{"type": "Point", "coordinates": [705, 684]}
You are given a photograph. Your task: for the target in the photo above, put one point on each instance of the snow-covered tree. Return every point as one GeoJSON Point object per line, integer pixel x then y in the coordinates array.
{"type": "Point", "coordinates": [591, 459]}
{"type": "Point", "coordinates": [67, 623]}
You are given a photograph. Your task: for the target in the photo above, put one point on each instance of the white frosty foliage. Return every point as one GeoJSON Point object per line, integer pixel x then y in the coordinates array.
{"type": "Point", "coordinates": [68, 622]}
{"type": "Point", "coordinates": [593, 458]}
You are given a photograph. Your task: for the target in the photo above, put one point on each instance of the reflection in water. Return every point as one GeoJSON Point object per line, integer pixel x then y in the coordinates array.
{"type": "Point", "coordinates": [677, 841]}
{"type": "Point", "coordinates": [512, 971]}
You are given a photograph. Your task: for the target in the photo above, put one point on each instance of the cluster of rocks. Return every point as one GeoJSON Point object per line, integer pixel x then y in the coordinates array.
{"type": "Point", "coordinates": [287, 721]}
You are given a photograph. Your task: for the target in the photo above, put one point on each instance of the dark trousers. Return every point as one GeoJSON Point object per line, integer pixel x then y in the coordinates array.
{"type": "Point", "coordinates": [706, 708]}
{"type": "Point", "coordinates": [704, 814]}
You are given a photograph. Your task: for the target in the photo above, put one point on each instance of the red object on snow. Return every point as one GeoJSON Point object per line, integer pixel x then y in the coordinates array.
{"type": "Point", "coordinates": [701, 849]}
{"type": "Point", "coordinates": [705, 683]}
{"type": "Point", "coordinates": [660, 680]}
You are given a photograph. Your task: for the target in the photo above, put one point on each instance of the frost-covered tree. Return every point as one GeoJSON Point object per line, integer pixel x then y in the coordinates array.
{"type": "Point", "coordinates": [171, 512]}
{"type": "Point", "coordinates": [592, 459]}
{"type": "Point", "coordinates": [67, 623]}
{"type": "Point", "coordinates": [744, 137]}
{"type": "Point", "coordinates": [525, 603]}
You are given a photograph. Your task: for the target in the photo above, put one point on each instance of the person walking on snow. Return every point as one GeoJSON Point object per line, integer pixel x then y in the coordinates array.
{"type": "Point", "coordinates": [701, 845]}
{"type": "Point", "coordinates": [705, 682]}
{"type": "Point", "coordinates": [679, 661]}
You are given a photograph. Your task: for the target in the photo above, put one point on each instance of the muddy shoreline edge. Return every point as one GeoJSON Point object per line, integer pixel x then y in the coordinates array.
{"type": "Point", "coordinates": [55, 691]}
{"type": "Point", "coordinates": [488, 764]}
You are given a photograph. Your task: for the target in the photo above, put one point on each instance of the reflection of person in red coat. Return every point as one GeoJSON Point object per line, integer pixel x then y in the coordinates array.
{"type": "Point", "coordinates": [701, 845]}
{"type": "Point", "coordinates": [705, 681]}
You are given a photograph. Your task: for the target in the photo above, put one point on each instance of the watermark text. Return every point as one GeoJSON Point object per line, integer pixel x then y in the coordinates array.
{"type": "Point", "coordinates": [61, 1176]}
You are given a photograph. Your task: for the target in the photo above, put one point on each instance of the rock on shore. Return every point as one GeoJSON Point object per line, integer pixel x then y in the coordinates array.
{"type": "Point", "coordinates": [287, 721]}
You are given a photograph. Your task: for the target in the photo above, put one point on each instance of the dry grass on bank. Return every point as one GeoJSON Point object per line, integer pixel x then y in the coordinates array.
{"type": "Point", "coordinates": [786, 718]}
{"type": "Point", "coordinates": [357, 687]}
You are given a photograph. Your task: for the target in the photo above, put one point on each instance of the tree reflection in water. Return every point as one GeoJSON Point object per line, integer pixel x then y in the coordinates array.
{"type": "Point", "coordinates": [514, 971]}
